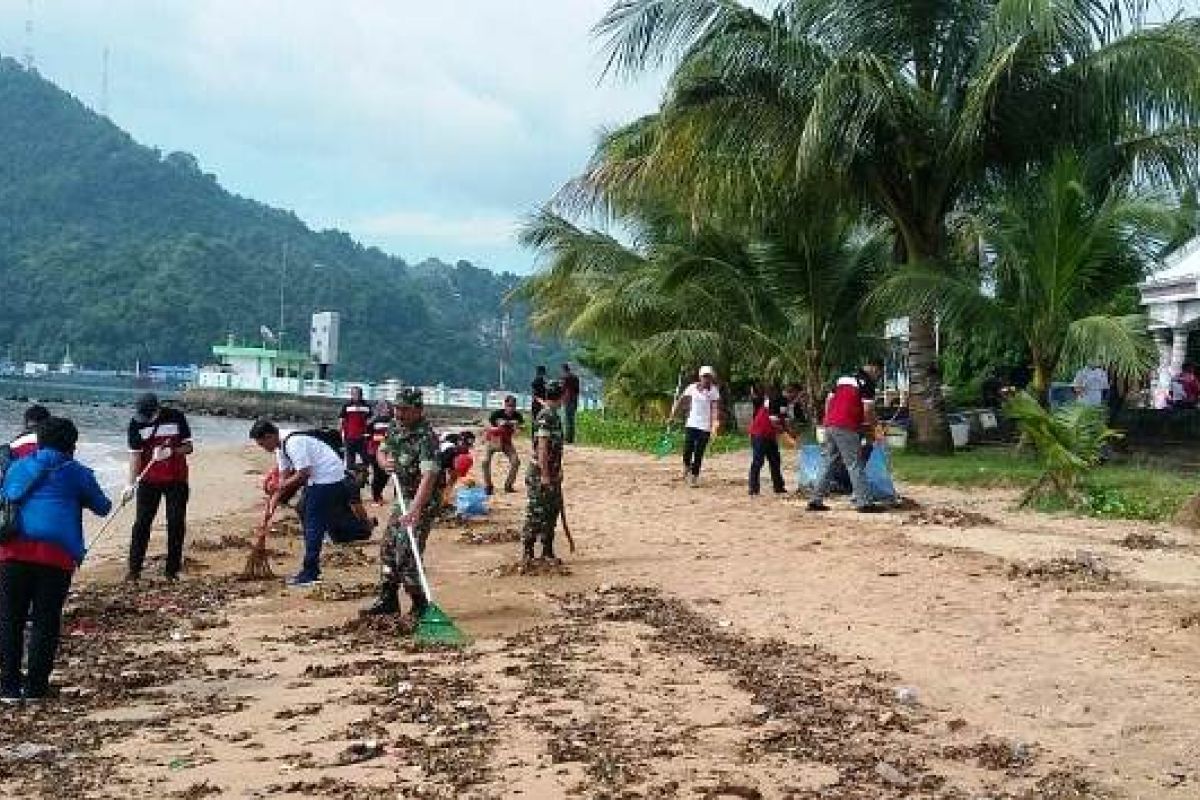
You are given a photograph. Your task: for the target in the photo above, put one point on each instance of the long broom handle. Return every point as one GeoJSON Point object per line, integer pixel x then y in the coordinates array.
{"type": "Point", "coordinates": [412, 539]}
{"type": "Point", "coordinates": [111, 517]}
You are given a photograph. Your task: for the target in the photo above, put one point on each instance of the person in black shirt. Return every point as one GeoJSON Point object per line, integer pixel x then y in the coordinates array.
{"type": "Point", "coordinates": [537, 390]}
{"type": "Point", "coordinates": [570, 382]}
{"type": "Point", "coordinates": [159, 442]}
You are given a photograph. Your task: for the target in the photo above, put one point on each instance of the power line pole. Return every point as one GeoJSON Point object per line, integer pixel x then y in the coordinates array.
{"type": "Point", "coordinates": [282, 280]}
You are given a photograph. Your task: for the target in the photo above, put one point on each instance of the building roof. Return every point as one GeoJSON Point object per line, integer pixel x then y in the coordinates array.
{"type": "Point", "coordinates": [234, 351]}
{"type": "Point", "coordinates": [1183, 264]}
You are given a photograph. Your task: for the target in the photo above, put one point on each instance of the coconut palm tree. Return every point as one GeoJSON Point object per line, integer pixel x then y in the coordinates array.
{"type": "Point", "coordinates": [1059, 247]}
{"type": "Point", "coordinates": [910, 107]}
{"type": "Point", "coordinates": [782, 308]}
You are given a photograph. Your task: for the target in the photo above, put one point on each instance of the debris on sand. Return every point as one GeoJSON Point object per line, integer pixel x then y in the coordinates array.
{"type": "Point", "coordinates": [537, 568]}
{"type": "Point", "coordinates": [1144, 541]}
{"type": "Point", "coordinates": [358, 752]}
{"type": "Point", "coordinates": [1190, 620]}
{"type": "Point", "coordinates": [1084, 570]}
{"type": "Point", "coordinates": [338, 592]}
{"type": "Point", "coordinates": [949, 517]}
{"type": "Point", "coordinates": [479, 536]}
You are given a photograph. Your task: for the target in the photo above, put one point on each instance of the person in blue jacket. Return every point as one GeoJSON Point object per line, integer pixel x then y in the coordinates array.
{"type": "Point", "coordinates": [51, 489]}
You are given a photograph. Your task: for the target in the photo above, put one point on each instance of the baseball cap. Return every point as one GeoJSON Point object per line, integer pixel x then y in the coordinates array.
{"type": "Point", "coordinates": [145, 407]}
{"type": "Point", "coordinates": [709, 371]}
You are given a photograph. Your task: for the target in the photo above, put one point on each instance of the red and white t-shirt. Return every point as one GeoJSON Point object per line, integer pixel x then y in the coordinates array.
{"type": "Point", "coordinates": [24, 445]}
{"type": "Point", "coordinates": [844, 408]}
{"type": "Point", "coordinates": [169, 429]}
{"type": "Point", "coordinates": [355, 417]}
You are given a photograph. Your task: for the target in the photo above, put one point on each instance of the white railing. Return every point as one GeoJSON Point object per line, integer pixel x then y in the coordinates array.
{"type": "Point", "coordinates": [439, 395]}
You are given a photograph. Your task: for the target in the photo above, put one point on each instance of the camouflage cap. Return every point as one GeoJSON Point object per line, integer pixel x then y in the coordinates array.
{"type": "Point", "coordinates": [554, 390]}
{"type": "Point", "coordinates": [410, 396]}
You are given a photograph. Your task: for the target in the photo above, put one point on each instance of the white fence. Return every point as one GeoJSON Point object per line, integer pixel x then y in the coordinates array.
{"type": "Point", "coordinates": [439, 395]}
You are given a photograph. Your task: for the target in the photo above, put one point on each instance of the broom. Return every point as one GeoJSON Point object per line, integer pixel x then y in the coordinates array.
{"type": "Point", "coordinates": [434, 626]}
{"type": "Point", "coordinates": [258, 563]}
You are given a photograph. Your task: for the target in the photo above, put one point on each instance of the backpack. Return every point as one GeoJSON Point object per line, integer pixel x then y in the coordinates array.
{"type": "Point", "coordinates": [327, 435]}
{"type": "Point", "coordinates": [8, 508]}
{"type": "Point", "coordinates": [8, 511]}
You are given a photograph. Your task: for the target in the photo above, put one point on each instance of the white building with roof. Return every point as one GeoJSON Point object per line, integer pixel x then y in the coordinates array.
{"type": "Point", "coordinates": [1171, 297]}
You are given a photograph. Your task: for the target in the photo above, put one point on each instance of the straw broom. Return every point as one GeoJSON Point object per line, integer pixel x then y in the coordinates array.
{"type": "Point", "coordinates": [258, 563]}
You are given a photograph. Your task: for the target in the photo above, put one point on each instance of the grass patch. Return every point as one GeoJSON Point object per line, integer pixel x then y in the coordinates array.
{"type": "Point", "coordinates": [1111, 491]}
{"type": "Point", "coordinates": [621, 433]}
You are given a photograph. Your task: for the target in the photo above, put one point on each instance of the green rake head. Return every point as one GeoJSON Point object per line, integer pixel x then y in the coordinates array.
{"type": "Point", "coordinates": [665, 445]}
{"type": "Point", "coordinates": [435, 627]}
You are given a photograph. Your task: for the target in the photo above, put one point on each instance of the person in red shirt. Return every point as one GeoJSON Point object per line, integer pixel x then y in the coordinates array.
{"type": "Point", "coordinates": [159, 442]}
{"type": "Point", "coordinates": [356, 418]}
{"type": "Point", "coordinates": [849, 410]}
{"type": "Point", "coordinates": [765, 427]}
{"type": "Point", "coordinates": [26, 443]}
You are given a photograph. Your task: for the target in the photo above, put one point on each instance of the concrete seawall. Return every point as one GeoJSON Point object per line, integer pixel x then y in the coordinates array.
{"type": "Point", "coordinates": [297, 408]}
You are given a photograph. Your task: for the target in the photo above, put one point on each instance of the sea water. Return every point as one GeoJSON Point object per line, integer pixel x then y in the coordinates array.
{"type": "Point", "coordinates": [102, 434]}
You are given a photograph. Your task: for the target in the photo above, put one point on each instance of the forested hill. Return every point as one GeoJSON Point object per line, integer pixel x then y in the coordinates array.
{"type": "Point", "coordinates": [123, 253]}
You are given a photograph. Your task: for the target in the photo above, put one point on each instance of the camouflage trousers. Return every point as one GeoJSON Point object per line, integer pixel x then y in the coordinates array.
{"type": "Point", "coordinates": [396, 563]}
{"type": "Point", "coordinates": [541, 513]}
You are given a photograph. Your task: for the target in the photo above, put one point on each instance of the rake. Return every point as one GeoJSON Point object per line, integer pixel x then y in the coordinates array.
{"type": "Point", "coordinates": [434, 626]}
{"type": "Point", "coordinates": [111, 517]}
{"type": "Point", "coordinates": [666, 442]}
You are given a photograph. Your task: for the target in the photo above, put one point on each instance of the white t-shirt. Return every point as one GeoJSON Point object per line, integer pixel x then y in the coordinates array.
{"type": "Point", "coordinates": [297, 452]}
{"type": "Point", "coordinates": [700, 409]}
{"type": "Point", "coordinates": [1091, 383]}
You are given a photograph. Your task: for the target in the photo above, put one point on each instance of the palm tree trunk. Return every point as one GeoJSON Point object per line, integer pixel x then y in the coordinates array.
{"type": "Point", "coordinates": [926, 403]}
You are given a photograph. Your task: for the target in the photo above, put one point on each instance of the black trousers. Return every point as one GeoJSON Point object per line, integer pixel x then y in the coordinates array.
{"type": "Point", "coordinates": [30, 592]}
{"type": "Point", "coordinates": [694, 443]}
{"type": "Point", "coordinates": [356, 452]}
{"type": "Point", "coordinates": [149, 495]}
{"type": "Point", "coordinates": [379, 479]}
{"type": "Point", "coordinates": [765, 448]}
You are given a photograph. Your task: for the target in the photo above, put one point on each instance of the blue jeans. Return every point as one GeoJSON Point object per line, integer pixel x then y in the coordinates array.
{"type": "Point", "coordinates": [320, 501]}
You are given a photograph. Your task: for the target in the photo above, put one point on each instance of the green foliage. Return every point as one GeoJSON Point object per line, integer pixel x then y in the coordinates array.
{"type": "Point", "coordinates": [912, 110]}
{"type": "Point", "coordinates": [1110, 491]}
{"type": "Point", "coordinates": [1069, 441]}
{"type": "Point", "coordinates": [123, 254]}
{"type": "Point", "coordinates": [617, 432]}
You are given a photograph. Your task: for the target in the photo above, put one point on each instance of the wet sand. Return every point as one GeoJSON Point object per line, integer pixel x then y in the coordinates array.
{"type": "Point", "coordinates": [700, 643]}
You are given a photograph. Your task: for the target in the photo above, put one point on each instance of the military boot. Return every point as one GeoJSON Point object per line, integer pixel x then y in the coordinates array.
{"type": "Point", "coordinates": [388, 603]}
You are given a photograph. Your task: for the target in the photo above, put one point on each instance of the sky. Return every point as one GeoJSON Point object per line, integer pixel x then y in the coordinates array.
{"type": "Point", "coordinates": [423, 128]}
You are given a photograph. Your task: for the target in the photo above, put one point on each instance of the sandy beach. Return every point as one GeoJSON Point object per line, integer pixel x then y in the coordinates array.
{"type": "Point", "coordinates": [699, 643]}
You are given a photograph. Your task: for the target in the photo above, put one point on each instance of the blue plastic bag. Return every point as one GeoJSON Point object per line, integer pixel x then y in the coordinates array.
{"type": "Point", "coordinates": [808, 466]}
{"type": "Point", "coordinates": [878, 474]}
{"type": "Point", "coordinates": [471, 501]}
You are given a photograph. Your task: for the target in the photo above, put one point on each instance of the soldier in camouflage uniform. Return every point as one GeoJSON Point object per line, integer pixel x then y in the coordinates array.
{"type": "Point", "coordinates": [410, 450]}
{"type": "Point", "coordinates": [543, 478]}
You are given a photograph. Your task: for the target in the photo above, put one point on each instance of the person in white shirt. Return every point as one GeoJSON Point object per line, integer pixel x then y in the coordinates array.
{"type": "Point", "coordinates": [304, 460]}
{"type": "Point", "coordinates": [703, 400]}
{"type": "Point", "coordinates": [1091, 384]}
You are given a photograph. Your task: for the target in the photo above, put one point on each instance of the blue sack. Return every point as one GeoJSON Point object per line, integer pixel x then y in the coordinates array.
{"type": "Point", "coordinates": [878, 475]}
{"type": "Point", "coordinates": [808, 466]}
{"type": "Point", "coordinates": [471, 501]}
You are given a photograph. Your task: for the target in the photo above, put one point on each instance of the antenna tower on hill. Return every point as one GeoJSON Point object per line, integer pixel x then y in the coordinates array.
{"type": "Point", "coordinates": [27, 56]}
{"type": "Point", "coordinates": [104, 85]}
